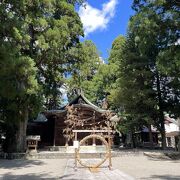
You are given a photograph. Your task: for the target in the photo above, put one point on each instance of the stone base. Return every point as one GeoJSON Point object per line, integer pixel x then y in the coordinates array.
{"type": "Point", "coordinates": [31, 151]}
{"type": "Point", "coordinates": [87, 149]}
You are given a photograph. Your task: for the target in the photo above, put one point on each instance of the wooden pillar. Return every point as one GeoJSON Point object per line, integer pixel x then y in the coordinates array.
{"type": "Point", "coordinates": [94, 140]}
{"type": "Point", "coordinates": [75, 136]}
{"type": "Point", "coordinates": [54, 140]}
{"type": "Point", "coordinates": [66, 144]}
{"type": "Point", "coordinates": [94, 121]}
{"type": "Point", "coordinates": [75, 167]}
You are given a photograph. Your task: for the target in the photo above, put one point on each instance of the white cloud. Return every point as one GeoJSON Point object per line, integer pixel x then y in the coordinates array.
{"type": "Point", "coordinates": [94, 19]}
{"type": "Point", "coordinates": [177, 42]}
{"type": "Point", "coordinates": [64, 97]}
{"type": "Point", "coordinates": [101, 60]}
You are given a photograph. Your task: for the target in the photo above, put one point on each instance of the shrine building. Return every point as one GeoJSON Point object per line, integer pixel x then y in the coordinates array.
{"type": "Point", "coordinates": [55, 126]}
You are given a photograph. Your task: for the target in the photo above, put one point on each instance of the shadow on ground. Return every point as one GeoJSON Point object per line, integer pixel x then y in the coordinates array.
{"type": "Point", "coordinates": [161, 160]}
{"type": "Point", "coordinates": [173, 156]}
{"type": "Point", "coordinates": [67, 176]}
{"type": "Point", "coordinates": [165, 177]}
{"type": "Point", "coordinates": [10, 176]}
{"type": "Point", "coordinates": [17, 164]}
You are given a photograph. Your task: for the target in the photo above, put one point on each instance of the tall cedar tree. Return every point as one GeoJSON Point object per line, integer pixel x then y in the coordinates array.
{"type": "Point", "coordinates": [149, 70]}
{"type": "Point", "coordinates": [35, 40]}
{"type": "Point", "coordinates": [84, 69]}
{"type": "Point", "coordinates": [156, 25]}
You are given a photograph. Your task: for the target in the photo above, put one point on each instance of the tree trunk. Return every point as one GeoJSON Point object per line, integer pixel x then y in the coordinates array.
{"type": "Point", "coordinates": [150, 136]}
{"type": "Point", "coordinates": [161, 114]}
{"type": "Point", "coordinates": [163, 134]}
{"type": "Point", "coordinates": [9, 144]}
{"type": "Point", "coordinates": [133, 141]}
{"type": "Point", "coordinates": [130, 140]}
{"type": "Point", "coordinates": [21, 132]}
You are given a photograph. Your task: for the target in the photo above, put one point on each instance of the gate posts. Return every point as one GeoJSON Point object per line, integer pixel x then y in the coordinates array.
{"type": "Point", "coordinates": [94, 136]}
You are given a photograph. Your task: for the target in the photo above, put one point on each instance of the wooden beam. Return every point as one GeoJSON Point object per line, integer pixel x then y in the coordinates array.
{"type": "Point", "coordinates": [92, 131]}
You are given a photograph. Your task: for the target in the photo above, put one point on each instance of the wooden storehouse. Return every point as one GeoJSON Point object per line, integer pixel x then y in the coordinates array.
{"type": "Point", "coordinates": [53, 127]}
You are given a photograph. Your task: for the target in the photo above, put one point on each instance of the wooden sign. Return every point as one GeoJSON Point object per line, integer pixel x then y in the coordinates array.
{"type": "Point", "coordinates": [76, 144]}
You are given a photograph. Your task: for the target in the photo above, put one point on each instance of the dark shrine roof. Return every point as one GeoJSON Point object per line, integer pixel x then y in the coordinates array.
{"type": "Point", "coordinates": [82, 101]}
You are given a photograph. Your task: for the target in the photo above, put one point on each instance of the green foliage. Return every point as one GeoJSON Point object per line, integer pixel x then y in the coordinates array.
{"type": "Point", "coordinates": [97, 88]}
{"type": "Point", "coordinates": [156, 28]}
{"type": "Point", "coordinates": [36, 40]}
{"type": "Point", "coordinates": [84, 69]}
{"type": "Point", "coordinates": [132, 87]}
{"type": "Point", "coordinates": [148, 83]}
{"type": "Point", "coordinates": [98, 79]}
{"type": "Point", "coordinates": [115, 58]}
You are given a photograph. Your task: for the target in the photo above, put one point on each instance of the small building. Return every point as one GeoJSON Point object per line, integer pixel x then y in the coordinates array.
{"type": "Point", "coordinates": [142, 137]}
{"type": "Point", "coordinates": [172, 132]}
{"type": "Point", "coordinates": [52, 125]}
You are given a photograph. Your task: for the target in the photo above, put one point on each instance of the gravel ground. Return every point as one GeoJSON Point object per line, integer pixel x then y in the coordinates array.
{"type": "Point", "coordinates": [142, 167]}
{"type": "Point", "coordinates": [32, 169]}
{"type": "Point", "coordinates": [139, 167]}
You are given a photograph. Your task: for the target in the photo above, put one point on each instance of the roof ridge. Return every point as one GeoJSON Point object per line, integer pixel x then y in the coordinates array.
{"type": "Point", "coordinates": [91, 104]}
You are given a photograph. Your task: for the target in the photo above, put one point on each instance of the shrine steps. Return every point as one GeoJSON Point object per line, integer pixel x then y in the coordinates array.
{"type": "Point", "coordinates": [70, 149]}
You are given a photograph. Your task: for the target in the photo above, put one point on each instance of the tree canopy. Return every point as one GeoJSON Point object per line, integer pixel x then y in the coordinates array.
{"type": "Point", "coordinates": [36, 40]}
{"type": "Point", "coordinates": [148, 84]}
{"type": "Point", "coordinates": [41, 54]}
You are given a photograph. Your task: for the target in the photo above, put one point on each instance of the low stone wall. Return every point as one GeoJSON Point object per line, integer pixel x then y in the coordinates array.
{"type": "Point", "coordinates": [117, 153]}
{"type": "Point", "coordinates": [12, 155]}
{"type": "Point", "coordinates": [62, 155]}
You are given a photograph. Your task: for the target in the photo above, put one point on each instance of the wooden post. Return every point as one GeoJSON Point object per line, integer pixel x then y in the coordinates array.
{"type": "Point", "coordinates": [75, 168]}
{"type": "Point", "coordinates": [94, 140]}
{"type": "Point", "coordinates": [109, 142]}
{"type": "Point", "coordinates": [75, 136]}
{"type": "Point", "coordinates": [94, 120]}
{"type": "Point", "coordinates": [66, 145]}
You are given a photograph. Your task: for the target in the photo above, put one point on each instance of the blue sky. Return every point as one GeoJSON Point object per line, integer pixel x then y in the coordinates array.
{"type": "Point", "coordinates": [104, 20]}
